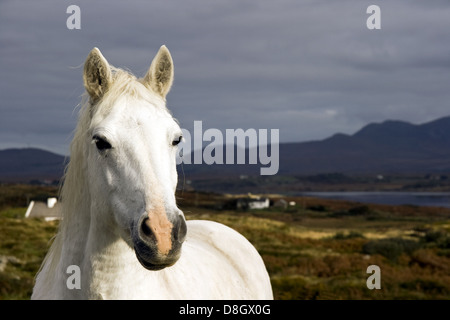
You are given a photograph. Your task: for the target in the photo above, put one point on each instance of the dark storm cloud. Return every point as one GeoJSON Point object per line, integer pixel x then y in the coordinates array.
{"type": "Point", "coordinates": [308, 68]}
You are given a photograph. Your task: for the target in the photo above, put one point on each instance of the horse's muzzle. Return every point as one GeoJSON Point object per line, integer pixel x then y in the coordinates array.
{"type": "Point", "coordinates": [158, 238]}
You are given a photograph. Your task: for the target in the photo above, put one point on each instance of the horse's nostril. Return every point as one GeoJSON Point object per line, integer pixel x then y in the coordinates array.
{"type": "Point", "coordinates": [146, 228]}
{"type": "Point", "coordinates": [182, 229]}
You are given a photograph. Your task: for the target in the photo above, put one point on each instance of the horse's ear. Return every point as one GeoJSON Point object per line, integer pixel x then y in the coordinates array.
{"type": "Point", "coordinates": [160, 75]}
{"type": "Point", "coordinates": [97, 75]}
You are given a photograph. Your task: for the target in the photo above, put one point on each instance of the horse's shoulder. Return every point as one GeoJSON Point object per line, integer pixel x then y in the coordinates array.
{"type": "Point", "coordinates": [219, 236]}
{"type": "Point", "coordinates": [208, 228]}
{"type": "Point", "coordinates": [229, 253]}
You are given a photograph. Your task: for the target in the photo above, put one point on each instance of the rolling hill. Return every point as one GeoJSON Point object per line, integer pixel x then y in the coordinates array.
{"type": "Point", "coordinates": [24, 165]}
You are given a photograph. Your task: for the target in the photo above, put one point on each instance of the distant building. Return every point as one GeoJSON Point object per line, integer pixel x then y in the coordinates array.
{"type": "Point", "coordinates": [252, 203]}
{"type": "Point", "coordinates": [281, 203]}
{"type": "Point", "coordinates": [49, 211]}
{"type": "Point", "coordinates": [259, 203]}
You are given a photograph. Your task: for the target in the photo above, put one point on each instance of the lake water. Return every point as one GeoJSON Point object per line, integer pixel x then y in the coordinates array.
{"type": "Point", "coordinates": [432, 199]}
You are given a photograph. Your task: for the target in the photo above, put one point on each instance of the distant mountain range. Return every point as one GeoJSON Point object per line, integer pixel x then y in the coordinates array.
{"type": "Point", "coordinates": [25, 165]}
{"type": "Point", "coordinates": [391, 147]}
{"type": "Point", "coordinates": [388, 147]}
{"type": "Point", "coordinates": [394, 147]}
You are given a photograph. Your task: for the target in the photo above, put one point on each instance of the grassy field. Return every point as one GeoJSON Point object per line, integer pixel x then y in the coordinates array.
{"type": "Point", "coordinates": [317, 249]}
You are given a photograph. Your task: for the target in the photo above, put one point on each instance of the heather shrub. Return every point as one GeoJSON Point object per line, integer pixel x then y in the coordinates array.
{"type": "Point", "coordinates": [391, 248]}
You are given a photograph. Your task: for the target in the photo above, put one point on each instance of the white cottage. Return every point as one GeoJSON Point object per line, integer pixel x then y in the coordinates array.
{"type": "Point", "coordinates": [49, 211]}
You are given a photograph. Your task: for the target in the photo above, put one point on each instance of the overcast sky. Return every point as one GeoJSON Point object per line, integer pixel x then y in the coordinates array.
{"type": "Point", "coordinates": [308, 68]}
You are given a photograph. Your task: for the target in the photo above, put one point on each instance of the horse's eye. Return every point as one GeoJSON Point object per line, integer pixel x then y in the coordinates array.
{"type": "Point", "coordinates": [101, 143]}
{"type": "Point", "coordinates": [177, 141]}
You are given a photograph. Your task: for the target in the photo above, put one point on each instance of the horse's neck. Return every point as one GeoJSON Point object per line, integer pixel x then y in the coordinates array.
{"type": "Point", "coordinates": [89, 240]}
{"type": "Point", "coordinates": [74, 234]}
{"type": "Point", "coordinates": [93, 244]}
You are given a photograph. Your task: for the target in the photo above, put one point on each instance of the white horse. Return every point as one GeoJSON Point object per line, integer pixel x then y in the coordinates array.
{"type": "Point", "coordinates": [122, 235]}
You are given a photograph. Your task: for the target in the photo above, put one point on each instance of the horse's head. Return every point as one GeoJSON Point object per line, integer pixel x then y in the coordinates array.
{"type": "Point", "coordinates": [131, 145]}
